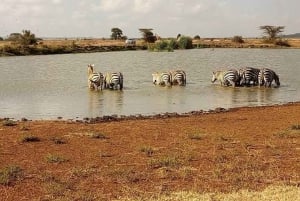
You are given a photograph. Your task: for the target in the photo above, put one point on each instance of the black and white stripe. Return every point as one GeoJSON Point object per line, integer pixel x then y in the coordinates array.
{"type": "Point", "coordinates": [163, 78]}
{"type": "Point", "coordinates": [228, 77]}
{"type": "Point", "coordinates": [113, 80]}
{"type": "Point", "coordinates": [178, 77]}
{"type": "Point", "coordinates": [266, 77]}
{"type": "Point", "coordinates": [248, 76]}
{"type": "Point", "coordinates": [95, 79]}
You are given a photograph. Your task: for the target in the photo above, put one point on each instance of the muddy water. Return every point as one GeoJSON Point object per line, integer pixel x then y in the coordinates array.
{"type": "Point", "coordinates": [51, 86]}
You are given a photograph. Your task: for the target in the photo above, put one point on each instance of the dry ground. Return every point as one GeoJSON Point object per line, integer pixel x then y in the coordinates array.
{"type": "Point", "coordinates": [242, 149]}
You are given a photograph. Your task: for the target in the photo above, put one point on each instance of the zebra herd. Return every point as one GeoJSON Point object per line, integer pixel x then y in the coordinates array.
{"type": "Point", "coordinates": [247, 76]}
{"type": "Point", "coordinates": [110, 80]}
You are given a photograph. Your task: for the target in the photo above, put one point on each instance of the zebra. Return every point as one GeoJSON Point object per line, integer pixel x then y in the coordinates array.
{"type": "Point", "coordinates": [227, 77]}
{"type": "Point", "coordinates": [266, 77]}
{"type": "Point", "coordinates": [163, 78]}
{"type": "Point", "coordinates": [178, 77]}
{"type": "Point", "coordinates": [95, 79]}
{"type": "Point", "coordinates": [248, 76]}
{"type": "Point", "coordinates": [113, 80]}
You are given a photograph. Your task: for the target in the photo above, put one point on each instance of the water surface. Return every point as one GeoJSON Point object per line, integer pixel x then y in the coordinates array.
{"type": "Point", "coordinates": [49, 86]}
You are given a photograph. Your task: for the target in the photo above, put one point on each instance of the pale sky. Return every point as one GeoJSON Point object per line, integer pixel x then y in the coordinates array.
{"type": "Point", "coordinates": [167, 18]}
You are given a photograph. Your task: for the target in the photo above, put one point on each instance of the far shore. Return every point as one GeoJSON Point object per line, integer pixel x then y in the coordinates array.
{"type": "Point", "coordinates": [68, 46]}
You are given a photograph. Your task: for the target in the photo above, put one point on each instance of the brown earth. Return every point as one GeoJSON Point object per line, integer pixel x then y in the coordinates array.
{"type": "Point", "coordinates": [243, 148]}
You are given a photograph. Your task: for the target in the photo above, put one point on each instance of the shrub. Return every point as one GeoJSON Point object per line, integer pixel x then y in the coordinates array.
{"type": "Point", "coordinates": [161, 45]}
{"type": "Point", "coordinates": [30, 138]}
{"type": "Point", "coordinates": [237, 39]}
{"type": "Point", "coordinates": [185, 42]}
{"type": "Point", "coordinates": [9, 174]}
{"type": "Point", "coordinates": [197, 37]}
{"type": "Point", "coordinates": [9, 123]}
{"type": "Point", "coordinates": [281, 42]}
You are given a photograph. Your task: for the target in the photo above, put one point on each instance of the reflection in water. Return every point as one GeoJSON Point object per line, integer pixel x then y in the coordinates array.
{"type": "Point", "coordinates": [104, 102]}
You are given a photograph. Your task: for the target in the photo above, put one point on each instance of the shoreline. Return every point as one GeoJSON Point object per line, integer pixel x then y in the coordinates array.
{"type": "Point", "coordinates": [73, 46]}
{"type": "Point", "coordinates": [164, 115]}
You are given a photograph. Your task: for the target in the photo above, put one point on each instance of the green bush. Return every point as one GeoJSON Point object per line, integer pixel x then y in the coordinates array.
{"type": "Point", "coordinates": [162, 45]}
{"type": "Point", "coordinates": [185, 42]}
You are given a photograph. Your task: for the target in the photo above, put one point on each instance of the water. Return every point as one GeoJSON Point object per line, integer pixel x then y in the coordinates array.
{"type": "Point", "coordinates": [51, 86]}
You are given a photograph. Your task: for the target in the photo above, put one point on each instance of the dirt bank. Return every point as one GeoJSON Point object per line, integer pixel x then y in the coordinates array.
{"type": "Point", "coordinates": [225, 151]}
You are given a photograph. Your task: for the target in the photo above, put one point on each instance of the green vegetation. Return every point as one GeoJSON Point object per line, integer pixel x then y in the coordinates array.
{"type": "Point", "coordinates": [271, 32]}
{"type": "Point", "coordinates": [185, 42]}
{"type": "Point", "coordinates": [148, 35]}
{"type": "Point", "coordinates": [116, 34]}
{"type": "Point", "coordinates": [10, 174]}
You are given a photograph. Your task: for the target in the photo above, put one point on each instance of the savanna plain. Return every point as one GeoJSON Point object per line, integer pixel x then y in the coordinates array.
{"type": "Point", "coordinates": [248, 153]}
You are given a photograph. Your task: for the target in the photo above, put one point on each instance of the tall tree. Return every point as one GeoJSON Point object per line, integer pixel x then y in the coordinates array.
{"type": "Point", "coordinates": [116, 33]}
{"type": "Point", "coordinates": [27, 38]}
{"type": "Point", "coordinates": [148, 35]}
{"type": "Point", "coordinates": [272, 32]}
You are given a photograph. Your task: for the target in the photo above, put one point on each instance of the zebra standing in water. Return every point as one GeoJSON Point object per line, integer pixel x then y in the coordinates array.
{"type": "Point", "coordinates": [95, 79]}
{"type": "Point", "coordinates": [163, 78]}
{"type": "Point", "coordinates": [227, 77]}
{"type": "Point", "coordinates": [248, 76]}
{"type": "Point", "coordinates": [178, 77]}
{"type": "Point", "coordinates": [113, 80]}
{"type": "Point", "coordinates": [266, 77]}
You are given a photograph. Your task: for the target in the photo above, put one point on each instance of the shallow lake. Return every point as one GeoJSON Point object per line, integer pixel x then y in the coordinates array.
{"type": "Point", "coordinates": [51, 86]}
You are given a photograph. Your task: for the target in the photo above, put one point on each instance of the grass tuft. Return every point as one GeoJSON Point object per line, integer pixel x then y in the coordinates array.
{"type": "Point", "coordinates": [9, 174]}
{"type": "Point", "coordinates": [149, 151]}
{"type": "Point", "coordinates": [58, 140]}
{"type": "Point", "coordinates": [53, 158]}
{"type": "Point", "coordinates": [30, 138]}
{"type": "Point", "coordinates": [98, 136]}
{"type": "Point", "coordinates": [9, 123]}
{"type": "Point", "coordinates": [167, 161]}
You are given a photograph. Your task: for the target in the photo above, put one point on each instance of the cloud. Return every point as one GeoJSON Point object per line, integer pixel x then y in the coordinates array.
{"type": "Point", "coordinates": [207, 18]}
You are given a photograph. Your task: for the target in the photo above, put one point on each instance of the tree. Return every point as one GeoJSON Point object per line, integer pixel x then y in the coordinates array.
{"type": "Point", "coordinates": [272, 32]}
{"type": "Point", "coordinates": [148, 35]}
{"type": "Point", "coordinates": [27, 38]}
{"type": "Point", "coordinates": [14, 37]}
{"type": "Point", "coordinates": [116, 33]}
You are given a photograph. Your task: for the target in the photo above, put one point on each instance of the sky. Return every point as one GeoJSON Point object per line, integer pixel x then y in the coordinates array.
{"type": "Point", "coordinates": [167, 18]}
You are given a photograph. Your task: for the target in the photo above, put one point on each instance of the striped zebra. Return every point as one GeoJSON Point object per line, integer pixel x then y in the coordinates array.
{"type": "Point", "coordinates": [248, 76]}
{"type": "Point", "coordinates": [113, 80]}
{"type": "Point", "coordinates": [228, 77]}
{"type": "Point", "coordinates": [266, 77]}
{"type": "Point", "coordinates": [163, 78]}
{"type": "Point", "coordinates": [178, 77]}
{"type": "Point", "coordinates": [95, 79]}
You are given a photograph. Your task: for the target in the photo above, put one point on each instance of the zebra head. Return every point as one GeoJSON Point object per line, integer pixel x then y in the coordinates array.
{"type": "Point", "coordinates": [90, 68]}
{"type": "Point", "coordinates": [155, 78]}
{"type": "Point", "coordinates": [214, 76]}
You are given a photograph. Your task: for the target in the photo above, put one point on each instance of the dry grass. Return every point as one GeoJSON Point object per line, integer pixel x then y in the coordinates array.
{"type": "Point", "coordinates": [271, 193]}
